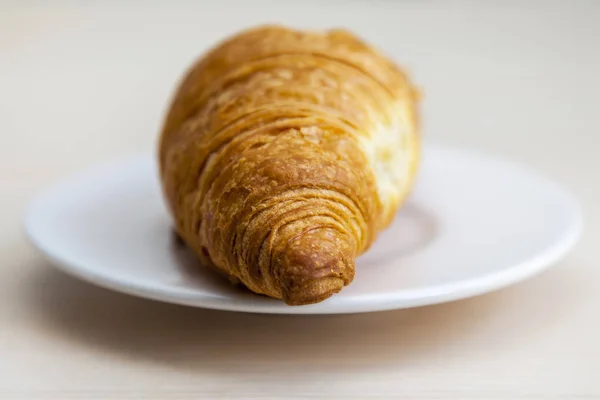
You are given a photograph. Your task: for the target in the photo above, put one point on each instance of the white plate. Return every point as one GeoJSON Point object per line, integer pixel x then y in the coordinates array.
{"type": "Point", "coordinates": [472, 225]}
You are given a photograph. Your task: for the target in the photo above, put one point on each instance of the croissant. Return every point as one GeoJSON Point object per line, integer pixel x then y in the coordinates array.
{"type": "Point", "coordinates": [284, 153]}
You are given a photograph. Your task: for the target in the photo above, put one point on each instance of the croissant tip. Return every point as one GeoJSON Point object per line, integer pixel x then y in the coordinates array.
{"type": "Point", "coordinates": [314, 267]}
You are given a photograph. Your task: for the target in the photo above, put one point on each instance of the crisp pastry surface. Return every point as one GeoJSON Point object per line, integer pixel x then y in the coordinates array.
{"type": "Point", "coordinates": [284, 154]}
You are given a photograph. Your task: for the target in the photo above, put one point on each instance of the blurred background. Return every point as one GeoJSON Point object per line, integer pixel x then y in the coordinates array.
{"type": "Point", "coordinates": [84, 82]}
{"type": "Point", "coordinates": [495, 74]}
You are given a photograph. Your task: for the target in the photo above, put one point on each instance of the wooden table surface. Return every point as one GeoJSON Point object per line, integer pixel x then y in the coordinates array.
{"type": "Point", "coordinates": [80, 84]}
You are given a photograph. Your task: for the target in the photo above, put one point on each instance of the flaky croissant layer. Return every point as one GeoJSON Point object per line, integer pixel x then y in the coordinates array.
{"type": "Point", "coordinates": [284, 154]}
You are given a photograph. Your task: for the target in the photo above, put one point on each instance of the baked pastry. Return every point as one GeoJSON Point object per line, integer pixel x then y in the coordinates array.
{"type": "Point", "coordinates": [285, 153]}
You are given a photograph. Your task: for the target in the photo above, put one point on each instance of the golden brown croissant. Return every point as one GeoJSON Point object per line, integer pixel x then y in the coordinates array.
{"type": "Point", "coordinates": [283, 155]}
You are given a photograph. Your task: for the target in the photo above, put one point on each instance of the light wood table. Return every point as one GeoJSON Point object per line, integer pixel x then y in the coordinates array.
{"type": "Point", "coordinates": [83, 84]}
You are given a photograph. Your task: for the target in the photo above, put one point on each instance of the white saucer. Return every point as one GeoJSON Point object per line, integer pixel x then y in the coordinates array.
{"type": "Point", "coordinates": [473, 224]}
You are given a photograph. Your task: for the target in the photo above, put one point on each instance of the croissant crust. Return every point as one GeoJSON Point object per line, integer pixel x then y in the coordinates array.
{"type": "Point", "coordinates": [284, 154]}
